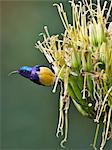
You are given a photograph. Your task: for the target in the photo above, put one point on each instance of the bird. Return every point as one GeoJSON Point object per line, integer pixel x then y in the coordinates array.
{"type": "Point", "coordinates": [38, 74]}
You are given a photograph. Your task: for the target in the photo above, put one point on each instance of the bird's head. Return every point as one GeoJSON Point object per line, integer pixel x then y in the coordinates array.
{"type": "Point", "coordinates": [24, 71]}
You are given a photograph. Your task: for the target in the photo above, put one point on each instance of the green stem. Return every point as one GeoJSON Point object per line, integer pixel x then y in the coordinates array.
{"type": "Point", "coordinates": [96, 136]}
{"type": "Point", "coordinates": [76, 96]}
{"type": "Point", "coordinates": [76, 90]}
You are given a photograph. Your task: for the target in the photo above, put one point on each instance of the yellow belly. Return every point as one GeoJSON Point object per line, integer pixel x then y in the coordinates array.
{"type": "Point", "coordinates": [46, 76]}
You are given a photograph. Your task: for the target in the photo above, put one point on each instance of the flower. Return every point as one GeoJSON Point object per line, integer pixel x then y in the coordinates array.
{"type": "Point", "coordinates": [82, 62]}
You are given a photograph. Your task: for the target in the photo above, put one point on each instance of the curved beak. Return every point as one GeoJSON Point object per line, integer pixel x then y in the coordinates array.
{"type": "Point", "coordinates": [13, 72]}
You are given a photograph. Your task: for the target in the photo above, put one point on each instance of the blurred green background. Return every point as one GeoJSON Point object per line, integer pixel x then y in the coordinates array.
{"type": "Point", "coordinates": [30, 112]}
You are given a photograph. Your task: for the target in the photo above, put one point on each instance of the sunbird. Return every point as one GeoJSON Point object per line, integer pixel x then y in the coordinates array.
{"type": "Point", "coordinates": [38, 74]}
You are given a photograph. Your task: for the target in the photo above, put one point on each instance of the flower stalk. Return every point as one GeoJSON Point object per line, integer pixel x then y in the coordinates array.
{"type": "Point", "coordinates": [82, 62]}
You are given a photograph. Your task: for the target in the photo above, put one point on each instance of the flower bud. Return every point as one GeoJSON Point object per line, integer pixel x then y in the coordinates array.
{"type": "Point", "coordinates": [100, 34]}
{"type": "Point", "coordinates": [93, 35]}
{"type": "Point", "coordinates": [102, 52]}
{"type": "Point", "coordinates": [96, 34]}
